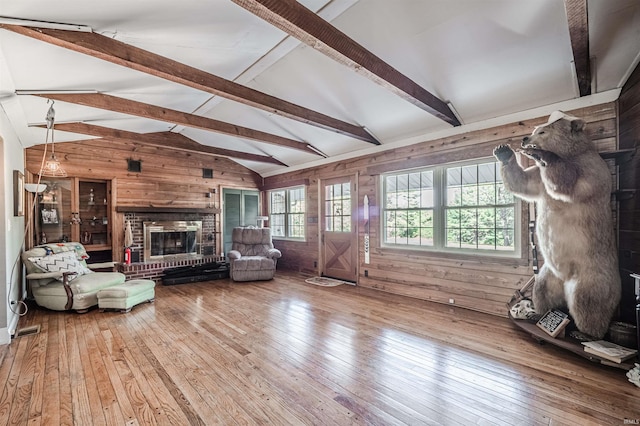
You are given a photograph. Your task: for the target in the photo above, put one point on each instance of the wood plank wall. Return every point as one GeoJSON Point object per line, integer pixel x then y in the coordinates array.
{"type": "Point", "coordinates": [480, 283]}
{"type": "Point", "coordinates": [629, 105]}
{"type": "Point", "coordinates": [169, 177]}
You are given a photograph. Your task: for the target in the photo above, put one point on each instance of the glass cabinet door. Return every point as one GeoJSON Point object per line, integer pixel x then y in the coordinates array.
{"type": "Point", "coordinates": [73, 209]}
{"type": "Point", "coordinates": [54, 212]}
{"type": "Point", "coordinates": [93, 207]}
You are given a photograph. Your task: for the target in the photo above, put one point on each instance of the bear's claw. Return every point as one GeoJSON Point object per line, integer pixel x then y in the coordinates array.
{"type": "Point", "coordinates": [535, 155]}
{"type": "Point", "coordinates": [503, 153]}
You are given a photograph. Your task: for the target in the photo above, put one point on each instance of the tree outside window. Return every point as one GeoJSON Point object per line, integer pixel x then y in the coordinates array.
{"type": "Point", "coordinates": [450, 207]}
{"type": "Point", "coordinates": [287, 213]}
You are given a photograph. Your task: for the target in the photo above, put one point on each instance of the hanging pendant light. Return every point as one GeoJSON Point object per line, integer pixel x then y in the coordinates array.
{"type": "Point", "coordinates": [51, 167]}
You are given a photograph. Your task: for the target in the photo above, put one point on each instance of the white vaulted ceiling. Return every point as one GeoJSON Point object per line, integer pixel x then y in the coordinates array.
{"type": "Point", "coordinates": [489, 60]}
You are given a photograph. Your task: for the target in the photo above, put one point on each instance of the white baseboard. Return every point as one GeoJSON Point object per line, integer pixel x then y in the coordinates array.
{"type": "Point", "coordinates": [8, 332]}
{"type": "Point", "coordinates": [5, 336]}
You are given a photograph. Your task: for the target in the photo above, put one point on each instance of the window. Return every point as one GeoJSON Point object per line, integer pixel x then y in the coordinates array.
{"type": "Point", "coordinates": [450, 207]}
{"type": "Point", "coordinates": [338, 207]}
{"type": "Point", "coordinates": [286, 212]}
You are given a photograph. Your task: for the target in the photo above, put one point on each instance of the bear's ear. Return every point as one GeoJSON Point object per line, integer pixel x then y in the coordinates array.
{"type": "Point", "coordinates": [577, 125]}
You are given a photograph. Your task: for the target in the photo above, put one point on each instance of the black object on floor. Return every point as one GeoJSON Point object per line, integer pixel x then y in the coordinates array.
{"type": "Point", "coordinates": [195, 273]}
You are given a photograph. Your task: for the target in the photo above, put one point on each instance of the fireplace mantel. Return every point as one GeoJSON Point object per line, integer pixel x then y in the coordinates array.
{"type": "Point", "coordinates": [164, 209]}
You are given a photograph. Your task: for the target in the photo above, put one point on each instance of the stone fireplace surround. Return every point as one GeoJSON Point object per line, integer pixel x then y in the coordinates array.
{"type": "Point", "coordinates": [154, 270]}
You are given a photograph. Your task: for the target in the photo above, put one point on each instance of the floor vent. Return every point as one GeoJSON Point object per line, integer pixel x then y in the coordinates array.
{"type": "Point", "coordinates": [27, 331]}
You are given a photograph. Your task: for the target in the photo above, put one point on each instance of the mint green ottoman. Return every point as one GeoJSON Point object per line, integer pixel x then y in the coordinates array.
{"type": "Point", "coordinates": [125, 296]}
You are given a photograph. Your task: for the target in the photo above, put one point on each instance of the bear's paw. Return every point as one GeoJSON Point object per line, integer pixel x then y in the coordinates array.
{"type": "Point", "coordinates": [503, 153]}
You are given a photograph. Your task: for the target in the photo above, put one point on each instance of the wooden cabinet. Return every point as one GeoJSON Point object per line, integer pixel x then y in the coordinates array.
{"type": "Point", "coordinates": [74, 209]}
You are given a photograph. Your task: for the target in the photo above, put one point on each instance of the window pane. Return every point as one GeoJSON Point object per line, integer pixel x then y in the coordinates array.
{"type": "Point", "coordinates": [454, 196]}
{"type": "Point", "coordinates": [487, 218]}
{"type": "Point", "coordinates": [426, 198]}
{"type": "Point", "coordinates": [454, 176]}
{"type": "Point", "coordinates": [287, 213]}
{"type": "Point", "coordinates": [502, 195]}
{"type": "Point", "coordinates": [346, 190]}
{"type": "Point", "coordinates": [478, 213]}
{"type": "Point", "coordinates": [277, 225]}
{"type": "Point", "coordinates": [296, 225]}
{"type": "Point", "coordinates": [468, 238]}
{"type": "Point", "coordinates": [346, 224]}
{"type": "Point", "coordinates": [487, 173]}
{"type": "Point", "coordinates": [278, 202]}
{"type": "Point", "coordinates": [453, 218]}
{"type": "Point", "coordinates": [426, 237]}
{"type": "Point", "coordinates": [469, 195]}
{"type": "Point", "coordinates": [403, 182]}
{"type": "Point", "coordinates": [338, 205]}
{"type": "Point", "coordinates": [470, 175]}
{"type": "Point", "coordinates": [505, 217]}
{"type": "Point", "coordinates": [486, 194]}
{"type": "Point", "coordinates": [505, 239]}
{"type": "Point", "coordinates": [346, 207]}
{"type": "Point", "coordinates": [413, 198]}
{"type": "Point", "coordinates": [403, 199]}
{"type": "Point", "coordinates": [453, 238]}
{"type": "Point", "coordinates": [486, 239]}
{"type": "Point", "coordinates": [468, 218]}
{"type": "Point", "coordinates": [426, 219]}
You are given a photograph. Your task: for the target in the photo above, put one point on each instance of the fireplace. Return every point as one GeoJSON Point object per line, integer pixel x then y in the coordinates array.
{"type": "Point", "coordinates": [172, 240]}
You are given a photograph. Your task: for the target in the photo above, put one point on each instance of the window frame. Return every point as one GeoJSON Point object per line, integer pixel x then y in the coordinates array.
{"type": "Point", "coordinates": [287, 212]}
{"type": "Point", "coordinates": [439, 214]}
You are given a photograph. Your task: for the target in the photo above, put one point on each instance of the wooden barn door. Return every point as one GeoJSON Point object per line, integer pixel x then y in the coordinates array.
{"type": "Point", "coordinates": [339, 236]}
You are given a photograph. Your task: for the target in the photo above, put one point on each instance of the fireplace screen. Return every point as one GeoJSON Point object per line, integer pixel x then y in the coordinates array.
{"type": "Point", "coordinates": [174, 239]}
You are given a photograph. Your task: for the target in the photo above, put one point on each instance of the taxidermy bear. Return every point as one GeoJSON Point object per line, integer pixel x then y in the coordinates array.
{"type": "Point", "coordinates": [571, 186]}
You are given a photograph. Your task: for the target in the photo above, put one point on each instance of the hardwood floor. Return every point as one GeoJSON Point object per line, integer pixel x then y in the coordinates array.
{"type": "Point", "coordinates": [285, 352]}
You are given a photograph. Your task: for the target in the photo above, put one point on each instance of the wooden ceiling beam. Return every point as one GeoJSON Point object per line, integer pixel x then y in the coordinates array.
{"type": "Point", "coordinates": [160, 139]}
{"type": "Point", "coordinates": [578, 21]}
{"type": "Point", "coordinates": [301, 23]}
{"type": "Point", "coordinates": [123, 54]}
{"type": "Point", "coordinates": [139, 109]}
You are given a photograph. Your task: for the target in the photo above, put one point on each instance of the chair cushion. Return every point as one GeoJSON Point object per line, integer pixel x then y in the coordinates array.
{"type": "Point", "coordinates": [96, 281]}
{"type": "Point", "coordinates": [61, 262]}
{"type": "Point", "coordinates": [253, 263]}
{"type": "Point", "coordinates": [127, 289]}
{"type": "Point", "coordinates": [252, 241]}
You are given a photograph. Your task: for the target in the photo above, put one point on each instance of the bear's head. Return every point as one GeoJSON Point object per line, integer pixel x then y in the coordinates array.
{"type": "Point", "coordinates": [563, 134]}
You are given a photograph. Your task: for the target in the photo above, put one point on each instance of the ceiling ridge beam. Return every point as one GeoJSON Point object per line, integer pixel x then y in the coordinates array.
{"type": "Point", "coordinates": [140, 109]}
{"type": "Point", "coordinates": [160, 139]}
{"type": "Point", "coordinates": [578, 21]}
{"type": "Point", "coordinates": [117, 52]}
{"type": "Point", "coordinates": [301, 23]}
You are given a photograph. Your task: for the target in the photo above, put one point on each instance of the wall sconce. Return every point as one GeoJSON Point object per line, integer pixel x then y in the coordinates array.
{"type": "Point", "coordinates": [210, 195]}
{"type": "Point", "coordinates": [92, 200]}
{"type": "Point", "coordinates": [35, 188]}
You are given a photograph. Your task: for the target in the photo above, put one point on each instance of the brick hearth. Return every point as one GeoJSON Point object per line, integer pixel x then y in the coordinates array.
{"type": "Point", "coordinates": [154, 270]}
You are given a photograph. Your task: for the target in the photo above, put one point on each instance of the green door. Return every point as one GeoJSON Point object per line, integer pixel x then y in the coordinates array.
{"type": "Point", "coordinates": [240, 208]}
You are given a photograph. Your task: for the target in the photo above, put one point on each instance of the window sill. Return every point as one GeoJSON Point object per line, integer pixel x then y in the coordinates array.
{"type": "Point", "coordinates": [293, 240]}
{"type": "Point", "coordinates": [506, 260]}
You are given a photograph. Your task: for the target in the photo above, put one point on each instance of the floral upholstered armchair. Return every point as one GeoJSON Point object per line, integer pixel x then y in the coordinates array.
{"type": "Point", "coordinates": [252, 256]}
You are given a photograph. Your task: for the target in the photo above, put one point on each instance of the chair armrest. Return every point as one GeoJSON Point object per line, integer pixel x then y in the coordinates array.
{"type": "Point", "coordinates": [274, 253]}
{"type": "Point", "coordinates": [44, 275]}
{"type": "Point", "coordinates": [234, 254]}
{"type": "Point", "coordinates": [101, 265]}
{"type": "Point", "coordinates": [57, 275]}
